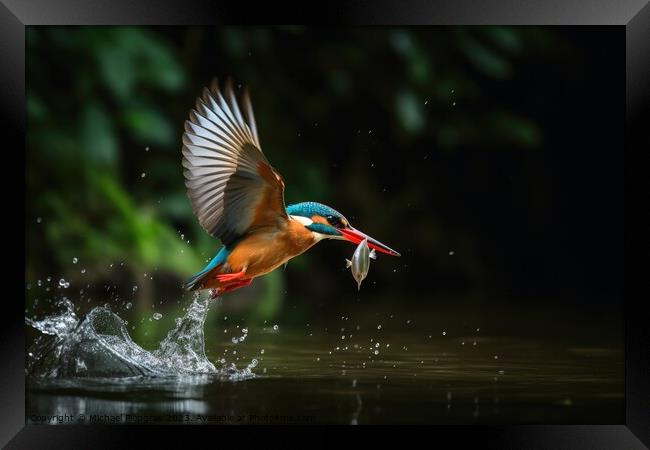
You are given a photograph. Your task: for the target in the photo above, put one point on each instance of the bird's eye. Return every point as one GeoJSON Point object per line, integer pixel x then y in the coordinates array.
{"type": "Point", "coordinates": [334, 221]}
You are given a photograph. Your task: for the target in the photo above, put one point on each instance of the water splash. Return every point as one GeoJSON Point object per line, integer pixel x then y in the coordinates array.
{"type": "Point", "coordinates": [100, 346]}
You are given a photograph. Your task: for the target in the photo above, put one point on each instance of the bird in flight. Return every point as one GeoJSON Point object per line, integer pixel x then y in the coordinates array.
{"type": "Point", "coordinates": [238, 197]}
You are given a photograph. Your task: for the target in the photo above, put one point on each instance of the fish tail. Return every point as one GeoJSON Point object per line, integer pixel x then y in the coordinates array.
{"type": "Point", "coordinates": [348, 263]}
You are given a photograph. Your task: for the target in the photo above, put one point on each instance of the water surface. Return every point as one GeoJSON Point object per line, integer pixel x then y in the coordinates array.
{"type": "Point", "coordinates": [403, 374]}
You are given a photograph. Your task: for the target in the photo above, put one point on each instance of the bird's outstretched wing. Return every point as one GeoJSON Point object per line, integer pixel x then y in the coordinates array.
{"type": "Point", "coordinates": [232, 186]}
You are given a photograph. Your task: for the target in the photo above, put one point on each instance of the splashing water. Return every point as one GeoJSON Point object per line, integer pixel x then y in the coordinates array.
{"type": "Point", "coordinates": [100, 346]}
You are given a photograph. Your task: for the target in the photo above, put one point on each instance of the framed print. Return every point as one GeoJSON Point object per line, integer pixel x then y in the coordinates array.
{"type": "Point", "coordinates": [401, 215]}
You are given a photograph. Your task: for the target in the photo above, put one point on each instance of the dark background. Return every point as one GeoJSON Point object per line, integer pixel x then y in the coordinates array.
{"type": "Point", "coordinates": [521, 178]}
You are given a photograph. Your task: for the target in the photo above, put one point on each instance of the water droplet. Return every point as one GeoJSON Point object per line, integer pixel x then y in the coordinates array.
{"type": "Point", "coordinates": [75, 260]}
{"type": "Point", "coordinates": [83, 270]}
{"type": "Point", "coordinates": [143, 174]}
{"type": "Point", "coordinates": [39, 220]}
{"type": "Point", "coordinates": [146, 149]}
{"type": "Point", "coordinates": [376, 352]}
{"type": "Point", "coordinates": [451, 253]}
{"type": "Point", "coordinates": [39, 282]}
{"type": "Point", "coordinates": [157, 316]}
{"type": "Point", "coordinates": [275, 327]}
{"type": "Point", "coordinates": [135, 288]}
{"type": "Point", "coordinates": [379, 327]}
{"type": "Point", "coordinates": [444, 333]}
{"type": "Point", "coordinates": [234, 340]}
{"type": "Point", "coordinates": [262, 352]}
{"type": "Point", "coordinates": [128, 305]}
{"type": "Point", "coordinates": [496, 356]}
{"type": "Point", "coordinates": [64, 284]}
{"type": "Point", "coordinates": [453, 104]}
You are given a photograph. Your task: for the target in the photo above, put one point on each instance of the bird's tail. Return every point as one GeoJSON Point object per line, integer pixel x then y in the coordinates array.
{"type": "Point", "coordinates": [195, 281]}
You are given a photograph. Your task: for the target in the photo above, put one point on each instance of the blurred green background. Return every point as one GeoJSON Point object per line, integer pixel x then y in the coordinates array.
{"type": "Point", "coordinates": [485, 155]}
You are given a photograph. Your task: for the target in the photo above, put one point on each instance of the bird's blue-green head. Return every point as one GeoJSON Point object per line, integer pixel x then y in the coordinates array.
{"type": "Point", "coordinates": [319, 218]}
{"type": "Point", "coordinates": [328, 223]}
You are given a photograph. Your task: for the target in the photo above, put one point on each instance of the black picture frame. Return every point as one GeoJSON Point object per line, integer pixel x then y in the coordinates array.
{"type": "Point", "coordinates": [633, 15]}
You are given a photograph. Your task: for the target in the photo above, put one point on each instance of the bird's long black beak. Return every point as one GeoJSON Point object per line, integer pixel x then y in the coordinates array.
{"type": "Point", "coordinates": [356, 236]}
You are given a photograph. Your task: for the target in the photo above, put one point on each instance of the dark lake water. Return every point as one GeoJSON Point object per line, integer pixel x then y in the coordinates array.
{"type": "Point", "coordinates": [404, 374]}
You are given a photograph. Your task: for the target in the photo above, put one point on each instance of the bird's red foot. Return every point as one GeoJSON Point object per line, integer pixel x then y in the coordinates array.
{"type": "Point", "coordinates": [237, 284]}
{"type": "Point", "coordinates": [230, 282]}
{"type": "Point", "coordinates": [228, 277]}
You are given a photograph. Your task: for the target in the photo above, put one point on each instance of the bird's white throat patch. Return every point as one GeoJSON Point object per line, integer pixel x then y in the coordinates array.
{"type": "Point", "coordinates": [303, 220]}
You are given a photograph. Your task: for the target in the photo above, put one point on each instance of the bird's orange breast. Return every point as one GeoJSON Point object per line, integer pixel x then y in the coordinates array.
{"type": "Point", "coordinates": [267, 249]}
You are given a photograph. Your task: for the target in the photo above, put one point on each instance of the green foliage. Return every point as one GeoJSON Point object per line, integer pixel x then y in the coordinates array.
{"type": "Point", "coordinates": [270, 302]}
{"type": "Point", "coordinates": [148, 125]}
{"type": "Point", "coordinates": [133, 58]}
{"type": "Point", "coordinates": [410, 112]}
{"type": "Point", "coordinates": [98, 141]}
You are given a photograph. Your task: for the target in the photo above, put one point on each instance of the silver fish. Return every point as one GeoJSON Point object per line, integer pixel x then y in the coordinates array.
{"type": "Point", "coordinates": [360, 263]}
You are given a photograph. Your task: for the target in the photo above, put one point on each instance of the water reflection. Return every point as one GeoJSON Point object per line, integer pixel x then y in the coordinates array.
{"type": "Point", "coordinates": [431, 382]}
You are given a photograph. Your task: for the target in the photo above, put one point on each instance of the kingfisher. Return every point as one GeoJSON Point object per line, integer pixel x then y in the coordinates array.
{"type": "Point", "coordinates": [238, 197]}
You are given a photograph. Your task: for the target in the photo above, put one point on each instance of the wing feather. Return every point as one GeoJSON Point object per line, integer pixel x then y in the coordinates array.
{"type": "Point", "coordinates": [231, 185]}
{"type": "Point", "coordinates": [248, 110]}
